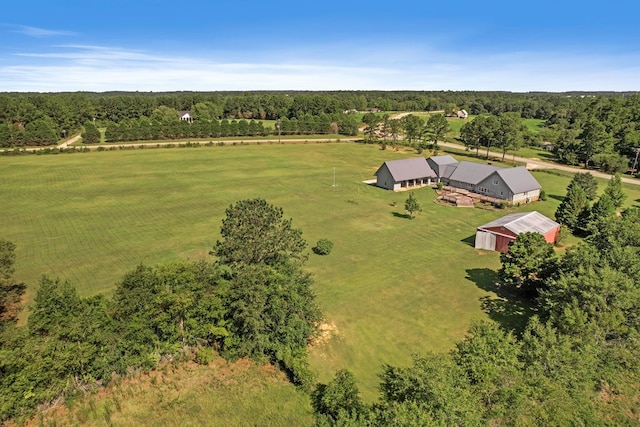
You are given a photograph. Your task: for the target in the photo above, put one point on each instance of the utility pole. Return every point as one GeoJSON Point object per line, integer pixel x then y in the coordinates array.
{"type": "Point", "coordinates": [334, 177]}
{"type": "Point", "coordinates": [278, 126]}
{"type": "Point", "coordinates": [635, 162]}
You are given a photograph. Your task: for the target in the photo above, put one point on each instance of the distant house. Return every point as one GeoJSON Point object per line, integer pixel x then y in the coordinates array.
{"type": "Point", "coordinates": [496, 235]}
{"type": "Point", "coordinates": [462, 114]}
{"type": "Point", "coordinates": [404, 174]}
{"type": "Point", "coordinates": [186, 116]}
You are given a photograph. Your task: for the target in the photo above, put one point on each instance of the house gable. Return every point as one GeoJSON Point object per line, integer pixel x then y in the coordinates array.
{"type": "Point", "coordinates": [519, 180]}
{"type": "Point", "coordinates": [405, 173]}
{"type": "Point", "coordinates": [441, 164]}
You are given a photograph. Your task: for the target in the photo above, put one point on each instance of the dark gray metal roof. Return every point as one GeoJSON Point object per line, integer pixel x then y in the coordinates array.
{"type": "Point", "coordinates": [405, 169]}
{"type": "Point", "coordinates": [447, 170]}
{"type": "Point", "coordinates": [443, 160]}
{"type": "Point", "coordinates": [519, 180]}
{"type": "Point", "coordinates": [523, 222]}
{"type": "Point", "coordinates": [472, 173]}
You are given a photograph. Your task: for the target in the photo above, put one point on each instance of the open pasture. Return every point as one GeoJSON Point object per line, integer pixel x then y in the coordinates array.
{"type": "Point", "coordinates": [391, 287]}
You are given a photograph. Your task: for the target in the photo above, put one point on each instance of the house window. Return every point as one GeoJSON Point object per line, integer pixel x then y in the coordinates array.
{"type": "Point", "coordinates": [495, 182]}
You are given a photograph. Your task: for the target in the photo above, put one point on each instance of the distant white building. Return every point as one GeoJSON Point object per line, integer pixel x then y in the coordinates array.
{"type": "Point", "coordinates": [186, 116]}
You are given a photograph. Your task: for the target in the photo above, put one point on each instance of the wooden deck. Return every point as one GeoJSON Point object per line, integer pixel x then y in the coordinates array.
{"type": "Point", "coordinates": [465, 198]}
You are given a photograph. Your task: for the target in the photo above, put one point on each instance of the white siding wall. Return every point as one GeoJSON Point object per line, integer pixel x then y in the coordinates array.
{"type": "Point", "coordinates": [529, 196]}
{"type": "Point", "coordinates": [485, 240]}
{"type": "Point", "coordinates": [384, 179]}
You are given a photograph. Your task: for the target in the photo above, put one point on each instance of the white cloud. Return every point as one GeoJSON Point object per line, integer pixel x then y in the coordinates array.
{"type": "Point", "coordinates": [100, 68]}
{"type": "Point", "coordinates": [41, 32]}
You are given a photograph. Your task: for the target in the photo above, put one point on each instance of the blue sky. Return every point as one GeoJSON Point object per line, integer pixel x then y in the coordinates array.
{"type": "Point", "coordinates": [329, 45]}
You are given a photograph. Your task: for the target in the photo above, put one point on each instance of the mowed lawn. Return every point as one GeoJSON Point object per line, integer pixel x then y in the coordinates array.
{"type": "Point", "coordinates": [391, 287]}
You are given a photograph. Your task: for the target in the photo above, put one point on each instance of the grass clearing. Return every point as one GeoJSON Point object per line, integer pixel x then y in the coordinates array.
{"type": "Point", "coordinates": [234, 393]}
{"type": "Point", "coordinates": [391, 286]}
{"type": "Point", "coordinates": [534, 125]}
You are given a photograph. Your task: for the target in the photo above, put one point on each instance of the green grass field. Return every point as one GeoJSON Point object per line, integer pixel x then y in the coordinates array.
{"type": "Point", "coordinates": [534, 125]}
{"type": "Point", "coordinates": [391, 287]}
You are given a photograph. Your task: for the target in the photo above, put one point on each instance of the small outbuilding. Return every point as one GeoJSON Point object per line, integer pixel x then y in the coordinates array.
{"type": "Point", "coordinates": [185, 116]}
{"type": "Point", "coordinates": [496, 235]}
{"type": "Point", "coordinates": [404, 174]}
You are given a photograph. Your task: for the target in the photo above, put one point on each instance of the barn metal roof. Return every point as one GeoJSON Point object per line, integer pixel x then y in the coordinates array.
{"type": "Point", "coordinates": [405, 169]}
{"type": "Point", "coordinates": [523, 222]}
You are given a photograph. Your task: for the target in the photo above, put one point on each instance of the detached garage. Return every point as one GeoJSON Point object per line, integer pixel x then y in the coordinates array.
{"type": "Point", "coordinates": [496, 235]}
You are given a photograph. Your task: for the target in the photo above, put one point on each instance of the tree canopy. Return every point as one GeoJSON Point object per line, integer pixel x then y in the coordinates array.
{"type": "Point", "coordinates": [255, 232]}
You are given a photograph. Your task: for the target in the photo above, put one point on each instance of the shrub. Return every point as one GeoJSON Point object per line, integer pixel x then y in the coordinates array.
{"type": "Point", "coordinates": [440, 185]}
{"type": "Point", "coordinates": [204, 355]}
{"type": "Point", "coordinates": [323, 247]}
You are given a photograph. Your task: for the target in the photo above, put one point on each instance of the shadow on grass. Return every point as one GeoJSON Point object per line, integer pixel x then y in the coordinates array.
{"type": "Point", "coordinates": [556, 197]}
{"type": "Point", "coordinates": [546, 155]}
{"type": "Point", "coordinates": [470, 241]}
{"type": "Point", "coordinates": [401, 215]}
{"type": "Point", "coordinates": [508, 307]}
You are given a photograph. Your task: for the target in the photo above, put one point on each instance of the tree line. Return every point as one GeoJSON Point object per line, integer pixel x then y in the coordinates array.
{"type": "Point", "coordinates": [170, 128]}
{"type": "Point", "coordinates": [52, 116]}
{"type": "Point", "coordinates": [254, 300]}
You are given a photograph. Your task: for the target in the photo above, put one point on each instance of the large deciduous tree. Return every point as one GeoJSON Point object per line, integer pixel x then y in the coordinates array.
{"type": "Point", "coordinates": [595, 140]}
{"type": "Point", "coordinates": [509, 133]}
{"type": "Point", "coordinates": [437, 127]}
{"type": "Point", "coordinates": [527, 262]}
{"type": "Point", "coordinates": [372, 121]}
{"type": "Point", "coordinates": [413, 126]}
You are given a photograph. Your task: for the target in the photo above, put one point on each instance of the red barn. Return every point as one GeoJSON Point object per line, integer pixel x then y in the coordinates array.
{"type": "Point", "coordinates": [496, 235]}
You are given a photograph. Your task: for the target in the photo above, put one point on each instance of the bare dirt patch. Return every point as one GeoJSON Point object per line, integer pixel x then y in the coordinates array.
{"type": "Point", "coordinates": [326, 331]}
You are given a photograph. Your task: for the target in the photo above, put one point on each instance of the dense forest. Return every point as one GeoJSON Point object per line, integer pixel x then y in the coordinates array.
{"type": "Point", "coordinates": [599, 130]}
